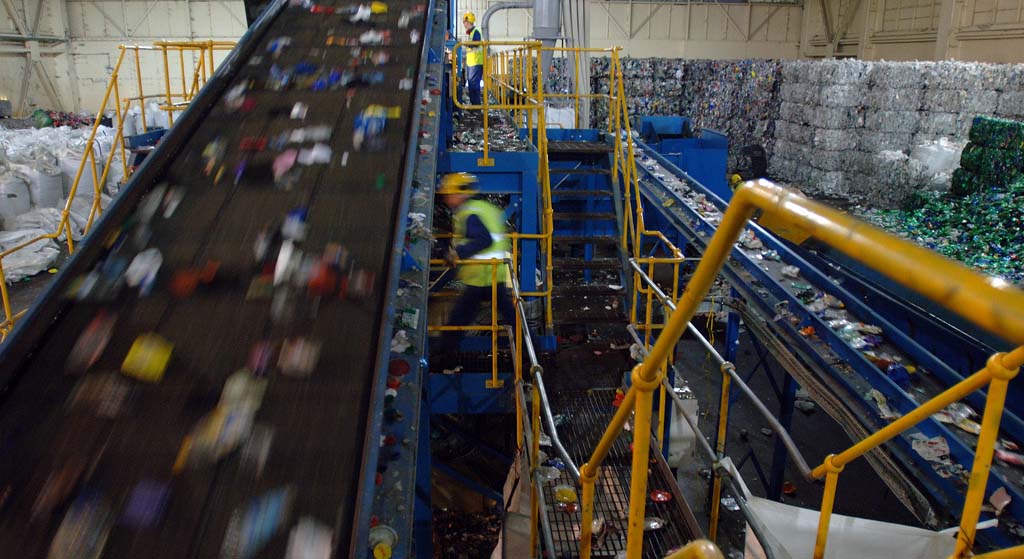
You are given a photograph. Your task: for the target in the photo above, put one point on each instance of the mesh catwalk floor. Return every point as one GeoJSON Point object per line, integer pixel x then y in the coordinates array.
{"type": "Point", "coordinates": [583, 419]}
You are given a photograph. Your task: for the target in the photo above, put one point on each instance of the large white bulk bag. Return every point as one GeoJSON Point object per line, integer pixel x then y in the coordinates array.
{"type": "Point", "coordinates": [45, 184]}
{"type": "Point", "coordinates": [70, 159]}
{"type": "Point", "coordinates": [14, 196]}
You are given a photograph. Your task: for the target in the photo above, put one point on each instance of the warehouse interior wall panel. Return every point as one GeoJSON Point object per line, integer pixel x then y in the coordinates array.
{"type": "Point", "coordinates": [79, 69]}
{"type": "Point", "coordinates": [671, 29]}
{"type": "Point", "coordinates": [976, 30]}
{"type": "Point", "coordinates": [74, 74]}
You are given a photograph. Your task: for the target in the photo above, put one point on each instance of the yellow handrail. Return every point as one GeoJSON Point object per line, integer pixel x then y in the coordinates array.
{"type": "Point", "coordinates": [699, 549]}
{"type": "Point", "coordinates": [121, 105]}
{"type": "Point", "coordinates": [988, 302]}
{"type": "Point", "coordinates": [493, 327]}
{"type": "Point", "coordinates": [527, 97]}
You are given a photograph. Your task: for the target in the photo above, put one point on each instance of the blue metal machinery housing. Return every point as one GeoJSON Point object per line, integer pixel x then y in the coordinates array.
{"type": "Point", "coordinates": [702, 156]}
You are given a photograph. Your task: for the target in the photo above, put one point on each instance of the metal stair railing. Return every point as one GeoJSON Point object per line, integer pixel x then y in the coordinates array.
{"type": "Point", "coordinates": [990, 303]}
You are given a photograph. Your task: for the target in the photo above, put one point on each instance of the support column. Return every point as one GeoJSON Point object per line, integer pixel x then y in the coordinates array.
{"type": "Point", "coordinates": [945, 45]}
{"type": "Point", "coordinates": [779, 456]}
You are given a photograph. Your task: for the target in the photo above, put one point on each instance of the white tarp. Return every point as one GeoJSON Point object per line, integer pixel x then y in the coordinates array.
{"type": "Point", "coordinates": [32, 259]}
{"type": "Point", "coordinates": [795, 529]}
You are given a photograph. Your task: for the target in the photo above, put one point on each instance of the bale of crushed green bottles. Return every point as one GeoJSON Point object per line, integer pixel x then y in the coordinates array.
{"type": "Point", "coordinates": [994, 156]}
{"type": "Point", "coordinates": [997, 133]}
{"type": "Point", "coordinates": [983, 229]}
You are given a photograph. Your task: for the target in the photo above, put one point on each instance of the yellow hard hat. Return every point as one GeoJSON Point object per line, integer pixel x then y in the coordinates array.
{"type": "Point", "coordinates": [470, 17]}
{"type": "Point", "coordinates": [458, 183]}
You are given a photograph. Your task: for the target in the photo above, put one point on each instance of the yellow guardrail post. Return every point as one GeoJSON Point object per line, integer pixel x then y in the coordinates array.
{"type": "Point", "coordinates": [828, 499]}
{"type": "Point", "coordinates": [138, 77]}
{"type": "Point", "coordinates": [645, 380]}
{"type": "Point", "coordinates": [723, 431]}
{"type": "Point", "coordinates": [1001, 368]}
{"type": "Point", "coordinates": [5, 297]}
{"type": "Point", "coordinates": [495, 382]}
{"type": "Point", "coordinates": [590, 470]}
{"type": "Point", "coordinates": [181, 62]}
{"type": "Point", "coordinates": [167, 85]}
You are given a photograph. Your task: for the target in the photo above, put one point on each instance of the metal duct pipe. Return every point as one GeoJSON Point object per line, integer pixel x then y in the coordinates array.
{"type": "Point", "coordinates": [484, 31]}
{"type": "Point", "coordinates": [547, 25]}
{"type": "Point", "coordinates": [547, 21]}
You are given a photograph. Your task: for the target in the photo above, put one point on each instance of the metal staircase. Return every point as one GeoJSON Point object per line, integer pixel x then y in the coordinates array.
{"type": "Point", "coordinates": [587, 258]}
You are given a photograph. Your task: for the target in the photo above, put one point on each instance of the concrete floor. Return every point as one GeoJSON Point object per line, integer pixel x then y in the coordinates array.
{"type": "Point", "coordinates": [24, 293]}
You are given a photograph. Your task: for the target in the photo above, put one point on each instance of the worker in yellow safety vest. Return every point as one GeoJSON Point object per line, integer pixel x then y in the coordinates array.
{"type": "Point", "coordinates": [480, 234]}
{"type": "Point", "coordinates": [474, 59]}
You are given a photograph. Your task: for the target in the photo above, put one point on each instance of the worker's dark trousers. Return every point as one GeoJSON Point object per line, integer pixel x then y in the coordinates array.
{"type": "Point", "coordinates": [464, 313]}
{"type": "Point", "coordinates": [473, 75]}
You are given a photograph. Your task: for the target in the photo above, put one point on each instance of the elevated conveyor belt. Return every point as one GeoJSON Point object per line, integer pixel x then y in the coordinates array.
{"type": "Point", "coordinates": [220, 159]}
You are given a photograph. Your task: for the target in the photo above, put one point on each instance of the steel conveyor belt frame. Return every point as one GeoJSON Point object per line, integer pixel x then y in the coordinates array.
{"type": "Point", "coordinates": [24, 343]}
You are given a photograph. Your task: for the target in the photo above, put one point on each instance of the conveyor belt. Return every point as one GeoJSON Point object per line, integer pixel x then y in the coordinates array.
{"type": "Point", "coordinates": [319, 423]}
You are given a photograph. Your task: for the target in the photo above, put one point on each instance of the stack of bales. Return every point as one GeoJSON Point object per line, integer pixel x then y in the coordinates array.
{"type": "Point", "coordinates": [821, 117]}
{"type": "Point", "coordinates": [847, 127]}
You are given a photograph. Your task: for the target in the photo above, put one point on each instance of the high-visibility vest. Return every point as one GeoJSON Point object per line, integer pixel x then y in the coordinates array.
{"type": "Point", "coordinates": [475, 55]}
{"type": "Point", "coordinates": [493, 218]}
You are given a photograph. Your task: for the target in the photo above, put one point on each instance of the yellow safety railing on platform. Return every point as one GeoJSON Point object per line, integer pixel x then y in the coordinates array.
{"type": "Point", "coordinates": [191, 76]}
{"type": "Point", "coordinates": [990, 303]}
{"type": "Point", "coordinates": [493, 328]}
{"type": "Point", "coordinates": [515, 77]}
{"type": "Point", "coordinates": [526, 98]}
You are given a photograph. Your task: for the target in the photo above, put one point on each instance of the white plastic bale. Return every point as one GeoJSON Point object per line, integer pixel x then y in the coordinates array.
{"type": "Point", "coordinates": [826, 160]}
{"type": "Point", "coordinates": [905, 122]}
{"type": "Point", "coordinates": [981, 101]}
{"type": "Point", "coordinates": [848, 95]}
{"type": "Point", "coordinates": [15, 198]}
{"type": "Point", "coordinates": [833, 183]}
{"type": "Point", "coordinates": [836, 118]}
{"type": "Point", "coordinates": [814, 73]}
{"type": "Point", "coordinates": [1011, 104]}
{"type": "Point", "coordinates": [792, 112]}
{"type": "Point", "coordinates": [31, 260]}
{"type": "Point", "coordinates": [858, 162]}
{"type": "Point", "coordinates": [938, 124]}
{"type": "Point", "coordinates": [69, 164]}
{"type": "Point", "coordinates": [45, 184]}
{"type": "Point", "coordinates": [944, 100]}
{"type": "Point", "coordinates": [897, 75]}
{"type": "Point", "coordinates": [873, 141]}
{"type": "Point", "coordinates": [843, 72]}
{"type": "Point", "coordinates": [895, 99]}
{"type": "Point", "coordinates": [792, 71]}
{"type": "Point", "coordinates": [834, 140]}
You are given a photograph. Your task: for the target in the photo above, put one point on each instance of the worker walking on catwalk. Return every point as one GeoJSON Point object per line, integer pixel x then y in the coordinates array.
{"type": "Point", "coordinates": [474, 59]}
{"type": "Point", "coordinates": [480, 234]}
